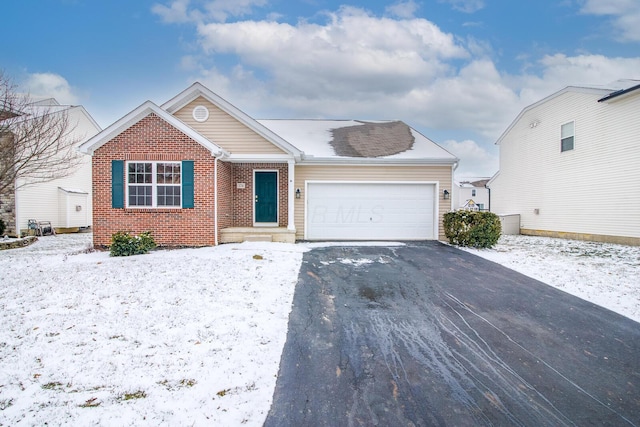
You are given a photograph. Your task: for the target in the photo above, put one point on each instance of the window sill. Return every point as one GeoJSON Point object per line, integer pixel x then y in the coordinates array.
{"type": "Point", "coordinates": [153, 210]}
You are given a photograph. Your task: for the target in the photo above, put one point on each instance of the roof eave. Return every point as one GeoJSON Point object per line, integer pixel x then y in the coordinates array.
{"type": "Point", "coordinates": [530, 107]}
{"type": "Point", "coordinates": [620, 94]}
{"type": "Point", "coordinates": [148, 107]}
{"type": "Point", "coordinates": [198, 89]}
{"type": "Point", "coordinates": [259, 158]}
{"type": "Point", "coordinates": [371, 161]}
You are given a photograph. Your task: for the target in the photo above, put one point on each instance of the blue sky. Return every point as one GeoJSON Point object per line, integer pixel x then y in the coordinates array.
{"type": "Point", "coordinates": [459, 71]}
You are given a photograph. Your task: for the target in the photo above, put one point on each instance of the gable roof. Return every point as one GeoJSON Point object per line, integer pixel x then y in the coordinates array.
{"type": "Point", "coordinates": [307, 141]}
{"type": "Point", "coordinates": [197, 89]}
{"type": "Point", "coordinates": [359, 142]}
{"type": "Point", "coordinates": [145, 109]}
{"type": "Point", "coordinates": [612, 90]}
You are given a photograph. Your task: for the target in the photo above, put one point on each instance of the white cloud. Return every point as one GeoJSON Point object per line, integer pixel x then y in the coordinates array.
{"type": "Point", "coordinates": [558, 71]}
{"type": "Point", "coordinates": [179, 11]}
{"type": "Point", "coordinates": [353, 52]}
{"type": "Point", "coordinates": [403, 9]}
{"type": "Point", "coordinates": [49, 85]}
{"type": "Point", "coordinates": [475, 160]}
{"type": "Point", "coordinates": [466, 6]}
{"type": "Point", "coordinates": [625, 16]}
{"type": "Point", "coordinates": [176, 12]}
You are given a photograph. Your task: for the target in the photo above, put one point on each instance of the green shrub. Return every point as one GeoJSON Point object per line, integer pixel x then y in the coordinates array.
{"type": "Point", "coordinates": [125, 244]}
{"type": "Point", "coordinates": [472, 228]}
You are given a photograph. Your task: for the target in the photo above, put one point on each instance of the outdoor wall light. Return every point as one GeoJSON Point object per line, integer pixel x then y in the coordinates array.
{"type": "Point", "coordinates": [297, 193]}
{"type": "Point", "coordinates": [445, 194]}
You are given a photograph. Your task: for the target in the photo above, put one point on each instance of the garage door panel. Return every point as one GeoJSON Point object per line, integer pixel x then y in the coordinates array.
{"type": "Point", "coordinates": [363, 211]}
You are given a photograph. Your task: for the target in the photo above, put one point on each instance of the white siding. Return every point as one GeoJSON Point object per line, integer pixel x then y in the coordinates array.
{"type": "Point", "coordinates": [226, 131]}
{"type": "Point", "coordinates": [442, 175]}
{"type": "Point", "coordinates": [463, 194]}
{"type": "Point", "coordinates": [42, 201]}
{"type": "Point", "coordinates": [588, 190]}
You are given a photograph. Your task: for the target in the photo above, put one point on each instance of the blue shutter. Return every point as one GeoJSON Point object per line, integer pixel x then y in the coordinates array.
{"type": "Point", "coordinates": [187, 183]}
{"type": "Point", "coordinates": [117, 184]}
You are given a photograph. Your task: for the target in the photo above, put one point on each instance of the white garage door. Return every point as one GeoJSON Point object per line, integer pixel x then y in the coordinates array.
{"type": "Point", "coordinates": [370, 211]}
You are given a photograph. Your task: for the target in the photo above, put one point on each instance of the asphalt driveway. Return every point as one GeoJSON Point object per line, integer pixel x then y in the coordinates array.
{"type": "Point", "coordinates": [426, 334]}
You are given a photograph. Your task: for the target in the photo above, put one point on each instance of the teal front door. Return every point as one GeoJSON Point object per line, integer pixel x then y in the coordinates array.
{"type": "Point", "coordinates": [266, 197]}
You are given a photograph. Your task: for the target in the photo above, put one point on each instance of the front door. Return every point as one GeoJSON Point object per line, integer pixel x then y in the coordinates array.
{"type": "Point", "coordinates": [266, 197]}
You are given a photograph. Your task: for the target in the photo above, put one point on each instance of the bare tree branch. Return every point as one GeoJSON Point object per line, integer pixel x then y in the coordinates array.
{"type": "Point", "coordinates": [36, 142]}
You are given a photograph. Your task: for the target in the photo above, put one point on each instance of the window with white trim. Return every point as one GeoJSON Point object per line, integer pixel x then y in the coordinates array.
{"type": "Point", "coordinates": [567, 136]}
{"type": "Point", "coordinates": [154, 184]}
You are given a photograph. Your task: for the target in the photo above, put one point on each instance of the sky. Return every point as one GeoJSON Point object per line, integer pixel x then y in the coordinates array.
{"type": "Point", "coordinates": [458, 71]}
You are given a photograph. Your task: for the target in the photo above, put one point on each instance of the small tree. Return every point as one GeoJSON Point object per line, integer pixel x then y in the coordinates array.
{"type": "Point", "coordinates": [36, 142]}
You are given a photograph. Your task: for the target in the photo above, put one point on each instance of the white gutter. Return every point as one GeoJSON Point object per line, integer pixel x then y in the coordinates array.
{"type": "Point", "coordinates": [215, 200]}
{"type": "Point", "coordinates": [368, 161]}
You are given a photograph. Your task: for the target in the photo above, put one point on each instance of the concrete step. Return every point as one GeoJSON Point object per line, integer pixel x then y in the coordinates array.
{"type": "Point", "coordinates": [258, 238]}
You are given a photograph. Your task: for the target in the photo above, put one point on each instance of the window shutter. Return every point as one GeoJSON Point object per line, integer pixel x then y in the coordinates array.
{"type": "Point", "coordinates": [187, 184]}
{"type": "Point", "coordinates": [117, 184]}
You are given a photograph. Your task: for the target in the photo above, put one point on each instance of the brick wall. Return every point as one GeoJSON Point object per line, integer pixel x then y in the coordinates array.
{"type": "Point", "coordinates": [225, 195]}
{"type": "Point", "coordinates": [153, 139]}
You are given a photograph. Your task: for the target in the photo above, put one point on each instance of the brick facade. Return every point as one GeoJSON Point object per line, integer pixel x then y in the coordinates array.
{"type": "Point", "coordinates": [153, 139]}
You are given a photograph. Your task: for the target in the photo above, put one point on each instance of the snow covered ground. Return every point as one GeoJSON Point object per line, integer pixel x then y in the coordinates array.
{"type": "Point", "coordinates": [605, 274]}
{"type": "Point", "coordinates": [181, 337]}
{"type": "Point", "coordinates": [194, 336]}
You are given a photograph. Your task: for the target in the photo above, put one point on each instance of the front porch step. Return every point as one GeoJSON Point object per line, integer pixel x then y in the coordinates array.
{"type": "Point", "coordinates": [257, 234]}
{"type": "Point", "coordinates": [258, 238]}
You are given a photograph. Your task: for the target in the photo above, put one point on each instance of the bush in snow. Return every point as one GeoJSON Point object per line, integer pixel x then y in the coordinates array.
{"type": "Point", "coordinates": [2, 227]}
{"type": "Point", "coordinates": [125, 244]}
{"type": "Point", "coordinates": [472, 228]}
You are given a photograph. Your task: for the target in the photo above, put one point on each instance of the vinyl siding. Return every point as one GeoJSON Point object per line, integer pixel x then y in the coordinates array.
{"type": "Point", "coordinates": [42, 201]}
{"type": "Point", "coordinates": [225, 131]}
{"type": "Point", "coordinates": [438, 174]}
{"type": "Point", "coordinates": [587, 190]}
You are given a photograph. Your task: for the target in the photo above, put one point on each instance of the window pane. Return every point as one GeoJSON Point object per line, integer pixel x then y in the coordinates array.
{"type": "Point", "coordinates": [168, 195]}
{"type": "Point", "coordinates": [140, 195]}
{"type": "Point", "coordinates": [566, 130]}
{"type": "Point", "coordinates": [168, 173]}
{"type": "Point", "coordinates": [567, 144]}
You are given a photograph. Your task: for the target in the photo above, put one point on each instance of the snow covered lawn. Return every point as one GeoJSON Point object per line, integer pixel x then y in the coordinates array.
{"type": "Point", "coordinates": [181, 337]}
{"type": "Point", "coordinates": [605, 274]}
{"type": "Point", "coordinates": [194, 336]}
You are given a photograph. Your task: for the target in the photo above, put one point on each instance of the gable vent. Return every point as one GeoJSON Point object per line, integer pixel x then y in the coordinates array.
{"type": "Point", "coordinates": [200, 113]}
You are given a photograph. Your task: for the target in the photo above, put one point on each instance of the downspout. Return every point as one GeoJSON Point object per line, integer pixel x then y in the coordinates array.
{"type": "Point", "coordinates": [16, 217]}
{"type": "Point", "coordinates": [453, 169]}
{"type": "Point", "coordinates": [215, 199]}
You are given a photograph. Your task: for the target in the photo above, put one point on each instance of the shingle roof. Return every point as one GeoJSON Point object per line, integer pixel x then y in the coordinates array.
{"type": "Point", "coordinates": [372, 139]}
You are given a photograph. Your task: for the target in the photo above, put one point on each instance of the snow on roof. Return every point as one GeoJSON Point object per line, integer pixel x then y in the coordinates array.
{"type": "Point", "coordinates": [353, 139]}
{"type": "Point", "coordinates": [73, 190]}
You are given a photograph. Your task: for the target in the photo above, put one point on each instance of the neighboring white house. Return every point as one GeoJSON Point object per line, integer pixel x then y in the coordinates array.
{"type": "Point", "coordinates": [471, 194]}
{"type": "Point", "coordinates": [65, 202]}
{"type": "Point", "coordinates": [570, 165]}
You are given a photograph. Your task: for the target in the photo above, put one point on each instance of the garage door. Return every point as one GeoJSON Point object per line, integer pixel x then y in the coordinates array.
{"type": "Point", "coordinates": [370, 211]}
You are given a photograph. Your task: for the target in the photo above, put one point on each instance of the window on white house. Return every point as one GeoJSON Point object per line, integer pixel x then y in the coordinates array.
{"type": "Point", "coordinates": [473, 193]}
{"type": "Point", "coordinates": [567, 136]}
{"type": "Point", "coordinates": [154, 184]}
